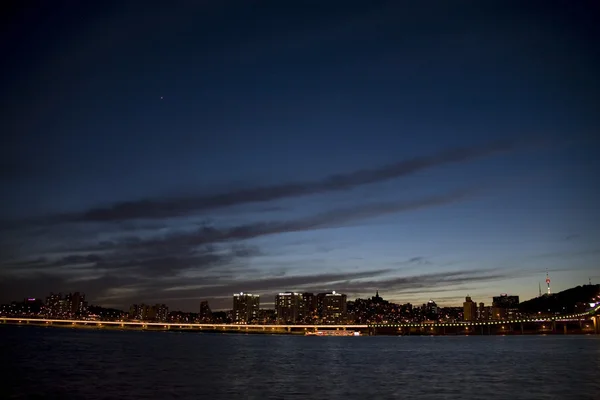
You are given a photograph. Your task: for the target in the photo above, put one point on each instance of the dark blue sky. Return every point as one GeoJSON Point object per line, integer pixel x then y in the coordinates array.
{"type": "Point", "coordinates": [186, 152]}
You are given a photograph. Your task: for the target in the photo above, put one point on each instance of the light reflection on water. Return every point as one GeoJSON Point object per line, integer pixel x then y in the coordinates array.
{"type": "Point", "coordinates": [80, 364]}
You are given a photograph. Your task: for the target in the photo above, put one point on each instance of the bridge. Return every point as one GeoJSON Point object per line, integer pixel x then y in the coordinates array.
{"type": "Point", "coordinates": [588, 322]}
{"type": "Point", "coordinates": [181, 326]}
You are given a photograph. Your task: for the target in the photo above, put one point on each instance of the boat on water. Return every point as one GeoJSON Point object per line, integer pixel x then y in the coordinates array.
{"type": "Point", "coordinates": [332, 333]}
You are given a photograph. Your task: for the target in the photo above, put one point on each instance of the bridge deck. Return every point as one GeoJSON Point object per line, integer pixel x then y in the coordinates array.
{"type": "Point", "coordinates": [565, 318]}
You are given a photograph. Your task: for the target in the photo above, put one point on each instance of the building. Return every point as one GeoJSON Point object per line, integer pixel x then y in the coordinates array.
{"type": "Point", "coordinates": [505, 301]}
{"type": "Point", "coordinates": [221, 317]}
{"type": "Point", "coordinates": [161, 312]}
{"type": "Point", "coordinates": [505, 307]}
{"type": "Point", "coordinates": [431, 311]}
{"type": "Point", "coordinates": [320, 300]}
{"type": "Point", "coordinates": [136, 312]}
{"type": "Point", "coordinates": [205, 315]}
{"type": "Point", "coordinates": [334, 308]}
{"type": "Point", "coordinates": [182, 317]}
{"type": "Point", "coordinates": [267, 316]}
{"type": "Point", "coordinates": [54, 305]}
{"type": "Point", "coordinates": [76, 304]}
{"type": "Point", "coordinates": [71, 305]}
{"type": "Point", "coordinates": [377, 299]}
{"type": "Point", "coordinates": [32, 306]}
{"type": "Point", "coordinates": [246, 307]}
{"type": "Point", "coordinates": [308, 309]}
{"type": "Point", "coordinates": [288, 307]}
{"type": "Point", "coordinates": [469, 309]}
{"type": "Point", "coordinates": [145, 312]}
{"type": "Point", "coordinates": [482, 312]}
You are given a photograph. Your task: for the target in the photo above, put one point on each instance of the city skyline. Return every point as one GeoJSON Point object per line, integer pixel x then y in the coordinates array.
{"type": "Point", "coordinates": [193, 152]}
{"type": "Point", "coordinates": [332, 309]}
{"type": "Point", "coordinates": [311, 309]}
{"type": "Point", "coordinates": [272, 305]}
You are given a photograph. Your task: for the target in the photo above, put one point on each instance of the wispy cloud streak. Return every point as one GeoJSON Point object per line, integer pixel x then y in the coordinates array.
{"type": "Point", "coordinates": [164, 208]}
{"type": "Point", "coordinates": [208, 235]}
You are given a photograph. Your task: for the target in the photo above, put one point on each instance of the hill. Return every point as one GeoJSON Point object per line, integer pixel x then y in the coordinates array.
{"type": "Point", "coordinates": [561, 302]}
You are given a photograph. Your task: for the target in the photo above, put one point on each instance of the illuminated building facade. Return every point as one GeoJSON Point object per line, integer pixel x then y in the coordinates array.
{"type": "Point", "coordinates": [469, 309]}
{"type": "Point", "coordinates": [246, 308]}
{"type": "Point", "coordinates": [334, 308]}
{"type": "Point", "coordinates": [288, 307]}
{"type": "Point", "coordinates": [145, 312]}
{"type": "Point", "coordinates": [71, 305]}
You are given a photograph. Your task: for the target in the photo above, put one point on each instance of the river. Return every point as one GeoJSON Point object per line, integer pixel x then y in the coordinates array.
{"type": "Point", "coordinates": [55, 363]}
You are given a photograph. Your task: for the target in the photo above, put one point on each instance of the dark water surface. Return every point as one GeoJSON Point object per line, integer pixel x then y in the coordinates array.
{"type": "Point", "coordinates": [80, 364]}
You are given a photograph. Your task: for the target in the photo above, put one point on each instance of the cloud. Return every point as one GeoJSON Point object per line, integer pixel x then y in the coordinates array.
{"type": "Point", "coordinates": [174, 207]}
{"type": "Point", "coordinates": [125, 289]}
{"type": "Point", "coordinates": [429, 281]}
{"type": "Point", "coordinates": [142, 262]}
{"type": "Point", "coordinates": [206, 256]}
{"type": "Point", "coordinates": [419, 260]}
{"type": "Point", "coordinates": [164, 280]}
{"type": "Point", "coordinates": [333, 218]}
{"type": "Point", "coordinates": [356, 284]}
{"type": "Point", "coordinates": [276, 284]}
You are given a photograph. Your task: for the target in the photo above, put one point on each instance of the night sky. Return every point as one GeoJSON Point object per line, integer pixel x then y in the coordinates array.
{"type": "Point", "coordinates": [186, 152]}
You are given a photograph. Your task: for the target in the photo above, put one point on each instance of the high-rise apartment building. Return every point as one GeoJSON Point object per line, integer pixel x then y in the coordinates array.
{"type": "Point", "coordinates": [469, 309]}
{"type": "Point", "coordinates": [161, 312]}
{"type": "Point", "coordinates": [431, 311]}
{"type": "Point", "coordinates": [320, 300]}
{"type": "Point", "coordinates": [136, 312]}
{"type": "Point", "coordinates": [245, 308]}
{"type": "Point", "coordinates": [308, 310]}
{"type": "Point", "coordinates": [205, 315]}
{"type": "Point", "coordinates": [69, 306]}
{"type": "Point", "coordinates": [54, 305]}
{"type": "Point", "coordinates": [334, 308]}
{"type": "Point", "coordinates": [76, 303]}
{"type": "Point", "coordinates": [288, 307]}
